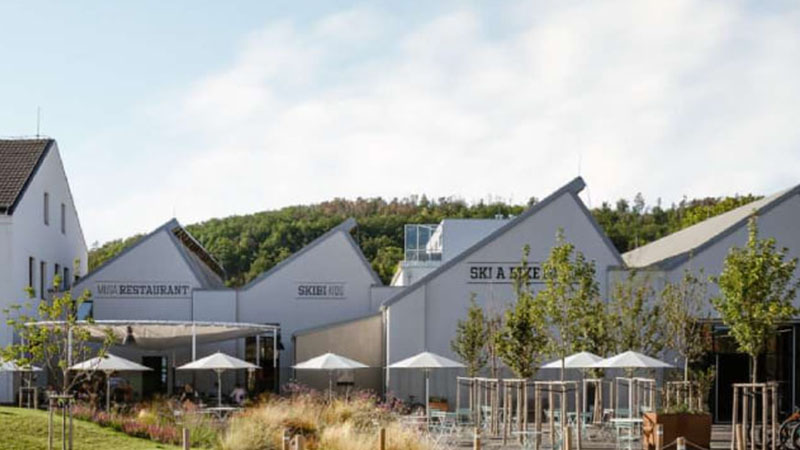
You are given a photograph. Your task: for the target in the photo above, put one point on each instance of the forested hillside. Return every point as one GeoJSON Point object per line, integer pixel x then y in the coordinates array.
{"type": "Point", "coordinates": [248, 245]}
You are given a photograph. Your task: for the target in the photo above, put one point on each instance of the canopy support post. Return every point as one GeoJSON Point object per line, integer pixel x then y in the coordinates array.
{"type": "Point", "coordinates": [194, 342]}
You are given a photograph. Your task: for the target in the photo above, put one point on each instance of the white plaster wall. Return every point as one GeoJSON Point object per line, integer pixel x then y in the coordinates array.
{"type": "Point", "coordinates": [273, 299]}
{"type": "Point", "coordinates": [25, 235]}
{"type": "Point", "coordinates": [154, 260]}
{"type": "Point", "coordinates": [445, 298]}
{"type": "Point", "coordinates": [780, 222]}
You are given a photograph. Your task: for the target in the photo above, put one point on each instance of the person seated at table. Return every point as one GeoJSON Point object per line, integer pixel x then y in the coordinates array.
{"type": "Point", "coordinates": [238, 395]}
{"type": "Point", "coordinates": [188, 394]}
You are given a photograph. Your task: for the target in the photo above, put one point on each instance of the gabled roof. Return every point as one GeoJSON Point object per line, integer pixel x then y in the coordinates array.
{"type": "Point", "coordinates": [19, 161]}
{"type": "Point", "coordinates": [207, 270]}
{"type": "Point", "coordinates": [573, 188]}
{"type": "Point", "coordinates": [672, 250]}
{"type": "Point", "coordinates": [345, 227]}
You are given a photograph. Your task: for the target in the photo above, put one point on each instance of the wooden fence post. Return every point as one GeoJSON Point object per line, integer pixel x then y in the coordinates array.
{"type": "Point", "coordinates": [187, 439]}
{"type": "Point", "coordinates": [659, 436]}
{"type": "Point", "coordinates": [680, 443]}
{"type": "Point", "coordinates": [285, 440]}
{"type": "Point", "coordinates": [567, 438]}
{"type": "Point", "coordinates": [382, 439]}
{"type": "Point", "coordinates": [476, 441]}
{"type": "Point", "coordinates": [299, 442]}
{"type": "Point", "coordinates": [738, 436]}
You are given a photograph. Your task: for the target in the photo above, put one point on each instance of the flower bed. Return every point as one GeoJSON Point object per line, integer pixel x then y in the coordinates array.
{"type": "Point", "coordinates": [154, 421]}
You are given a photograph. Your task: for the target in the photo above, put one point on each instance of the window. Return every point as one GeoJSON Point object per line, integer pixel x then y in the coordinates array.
{"type": "Point", "coordinates": [67, 282]}
{"type": "Point", "coordinates": [42, 279]}
{"type": "Point", "coordinates": [46, 208]}
{"type": "Point", "coordinates": [56, 271]}
{"type": "Point", "coordinates": [63, 219]}
{"type": "Point", "coordinates": [31, 268]}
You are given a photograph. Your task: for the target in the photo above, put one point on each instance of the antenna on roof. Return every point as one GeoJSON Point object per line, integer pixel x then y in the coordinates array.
{"type": "Point", "coordinates": [38, 120]}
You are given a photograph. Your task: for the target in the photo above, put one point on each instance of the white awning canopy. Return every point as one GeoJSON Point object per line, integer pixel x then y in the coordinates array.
{"type": "Point", "coordinates": [167, 334]}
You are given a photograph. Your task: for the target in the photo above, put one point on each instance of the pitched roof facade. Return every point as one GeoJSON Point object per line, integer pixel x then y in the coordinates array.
{"type": "Point", "coordinates": [19, 160]}
{"type": "Point", "coordinates": [670, 251]}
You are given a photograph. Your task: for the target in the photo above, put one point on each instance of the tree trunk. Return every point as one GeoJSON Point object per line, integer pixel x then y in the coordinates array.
{"type": "Point", "coordinates": [685, 368]}
{"type": "Point", "coordinates": [754, 366]}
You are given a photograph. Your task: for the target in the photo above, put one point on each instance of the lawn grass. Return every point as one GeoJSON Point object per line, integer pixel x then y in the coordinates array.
{"type": "Point", "coordinates": [26, 429]}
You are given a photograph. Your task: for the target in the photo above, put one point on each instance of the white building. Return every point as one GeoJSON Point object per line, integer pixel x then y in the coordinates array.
{"type": "Point", "coordinates": [703, 246]}
{"type": "Point", "coordinates": [423, 316]}
{"type": "Point", "coordinates": [168, 276]}
{"type": "Point", "coordinates": [40, 234]}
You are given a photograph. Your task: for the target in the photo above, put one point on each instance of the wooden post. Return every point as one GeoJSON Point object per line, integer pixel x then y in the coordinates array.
{"type": "Point", "coordinates": [753, 409]}
{"type": "Point", "coordinates": [578, 418]}
{"type": "Point", "coordinates": [50, 424]}
{"type": "Point", "coordinates": [476, 441]}
{"type": "Point", "coordinates": [552, 411]}
{"type": "Point", "coordinates": [738, 436]}
{"type": "Point", "coordinates": [680, 443]}
{"type": "Point", "coordinates": [774, 391]}
{"type": "Point", "coordinates": [187, 439]}
{"type": "Point", "coordinates": [734, 415]}
{"type": "Point", "coordinates": [382, 439]}
{"type": "Point", "coordinates": [764, 417]}
{"type": "Point", "coordinates": [745, 415]}
{"type": "Point", "coordinates": [659, 436]}
{"type": "Point", "coordinates": [285, 440]}
{"type": "Point", "coordinates": [299, 442]}
{"type": "Point", "coordinates": [567, 438]}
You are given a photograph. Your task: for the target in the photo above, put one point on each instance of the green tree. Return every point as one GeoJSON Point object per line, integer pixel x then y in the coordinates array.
{"type": "Point", "coordinates": [757, 287]}
{"type": "Point", "coordinates": [50, 334]}
{"type": "Point", "coordinates": [523, 337]}
{"type": "Point", "coordinates": [683, 304]}
{"type": "Point", "coordinates": [634, 317]}
{"type": "Point", "coordinates": [571, 297]}
{"type": "Point", "coordinates": [470, 340]}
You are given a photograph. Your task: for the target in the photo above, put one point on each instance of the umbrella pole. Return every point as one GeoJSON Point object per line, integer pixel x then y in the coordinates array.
{"type": "Point", "coordinates": [330, 386]}
{"type": "Point", "coordinates": [427, 395]}
{"type": "Point", "coordinates": [219, 388]}
{"type": "Point", "coordinates": [108, 392]}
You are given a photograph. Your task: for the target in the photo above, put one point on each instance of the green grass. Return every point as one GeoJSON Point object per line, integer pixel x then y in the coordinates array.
{"type": "Point", "coordinates": [25, 429]}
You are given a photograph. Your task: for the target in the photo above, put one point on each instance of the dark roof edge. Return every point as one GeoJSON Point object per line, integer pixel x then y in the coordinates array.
{"type": "Point", "coordinates": [182, 249]}
{"type": "Point", "coordinates": [344, 227]}
{"type": "Point", "coordinates": [45, 152]}
{"type": "Point", "coordinates": [574, 187]}
{"type": "Point", "coordinates": [676, 260]}
{"type": "Point", "coordinates": [335, 324]}
{"type": "Point", "coordinates": [168, 226]}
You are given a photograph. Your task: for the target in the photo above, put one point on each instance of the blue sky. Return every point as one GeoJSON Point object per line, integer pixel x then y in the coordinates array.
{"type": "Point", "coordinates": [205, 109]}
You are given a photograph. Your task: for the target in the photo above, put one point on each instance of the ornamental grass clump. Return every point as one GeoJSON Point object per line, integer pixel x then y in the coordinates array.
{"type": "Point", "coordinates": [343, 424]}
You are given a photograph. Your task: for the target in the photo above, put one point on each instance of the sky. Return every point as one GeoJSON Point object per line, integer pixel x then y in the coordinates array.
{"type": "Point", "coordinates": [206, 109]}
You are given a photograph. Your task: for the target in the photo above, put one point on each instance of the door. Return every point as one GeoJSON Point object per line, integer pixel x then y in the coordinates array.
{"type": "Point", "coordinates": [154, 381]}
{"type": "Point", "coordinates": [731, 368]}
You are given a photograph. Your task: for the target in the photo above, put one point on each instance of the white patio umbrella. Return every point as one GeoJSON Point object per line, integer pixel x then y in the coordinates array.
{"type": "Point", "coordinates": [330, 362]}
{"type": "Point", "coordinates": [11, 366]}
{"type": "Point", "coordinates": [631, 360]}
{"type": "Point", "coordinates": [218, 362]}
{"type": "Point", "coordinates": [426, 361]}
{"type": "Point", "coordinates": [581, 360]}
{"type": "Point", "coordinates": [109, 364]}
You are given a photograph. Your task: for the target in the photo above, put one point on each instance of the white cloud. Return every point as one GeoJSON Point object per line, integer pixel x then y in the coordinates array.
{"type": "Point", "coordinates": [667, 98]}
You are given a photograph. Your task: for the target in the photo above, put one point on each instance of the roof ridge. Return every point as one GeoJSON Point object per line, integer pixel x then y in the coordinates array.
{"type": "Point", "coordinates": [766, 203]}
{"type": "Point", "coordinates": [574, 187]}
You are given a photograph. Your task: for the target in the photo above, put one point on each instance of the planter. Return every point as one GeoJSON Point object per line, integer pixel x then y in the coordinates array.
{"type": "Point", "coordinates": [694, 427]}
{"type": "Point", "coordinates": [440, 405]}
